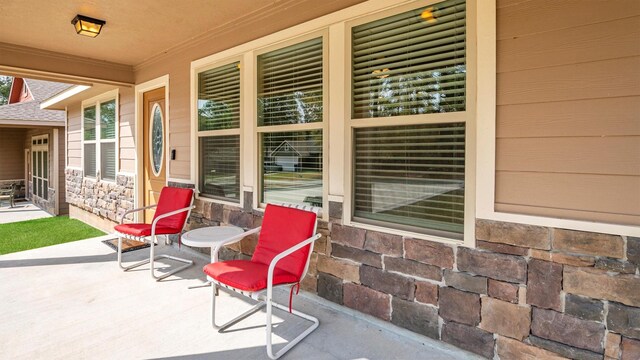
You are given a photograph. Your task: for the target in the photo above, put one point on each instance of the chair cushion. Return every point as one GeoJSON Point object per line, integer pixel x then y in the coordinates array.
{"type": "Point", "coordinates": [171, 199]}
{"type": "Point", "coordinates": [247, 275]}
{"type": "Point", "coordinates": [141, 230]}
{"type": "Point", "coordinates": [282, 228]}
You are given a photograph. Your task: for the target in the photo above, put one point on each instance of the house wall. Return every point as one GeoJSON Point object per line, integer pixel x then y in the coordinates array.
{"type": "Point", "coordinates": [568, 110]}
{"type": "Point", "coordinates": [12, 145]}
{"type": "Point", "coordinates": [63, 205]}
{"type": "Point", "coordinates": [74, 136]}
{"type": "Point", "coordinates": [525, 291]}
{"type": "Point", "coordinates": [97, 202]}
{"type": "Point", "coordinates": [126, 101]}
{"type": "Point", "coordinates": [127, 131]}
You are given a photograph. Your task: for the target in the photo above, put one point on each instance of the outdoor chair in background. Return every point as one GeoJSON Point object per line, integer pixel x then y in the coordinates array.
{"type": "Point", "coordinates": [172, 211]}
{"type": "Point", "coordinates": [8, 192]}
{"type": "Point", "coordinates": [281, 258]}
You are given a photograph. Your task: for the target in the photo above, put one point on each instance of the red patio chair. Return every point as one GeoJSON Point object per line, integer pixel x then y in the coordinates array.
{"type": "Point", "coordinates": [281, 258]}
{"type": "Point", "coordinates": [172, 211]}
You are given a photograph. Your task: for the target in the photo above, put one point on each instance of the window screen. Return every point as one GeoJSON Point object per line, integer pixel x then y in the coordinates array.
{"type": "Point", "coordinates": [290, 94]}
{"type": "Point", "coordinates": [219, 98]}
{"type": "Point", "coordinates": [219, 153]}
{"type": "Point", "coordinates": [411, 176]}
{"type": "Point", "coordinates": [292, 167]}
{"type": "Point", "coordinates": [220, 167]}
{"type": "Point", "coordinates": [410, 63]}
{"type": "Point", "coordinates": [290, 85]}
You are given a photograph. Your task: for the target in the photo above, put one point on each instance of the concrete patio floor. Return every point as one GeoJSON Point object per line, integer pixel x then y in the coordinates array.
{"type": "Point", "coordinates": [22, 211]}
{"type": "Point", "coordinates": [71, 301]}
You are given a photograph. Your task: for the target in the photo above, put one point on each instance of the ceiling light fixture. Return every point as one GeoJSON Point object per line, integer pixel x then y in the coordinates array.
{"type": "Point", "coordinates": [87, 26]}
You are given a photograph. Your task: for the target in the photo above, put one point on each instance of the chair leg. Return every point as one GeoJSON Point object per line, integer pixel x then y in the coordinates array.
{"type": "Point", "coordinates": [233, 321]}
{"type": "Point", "coordinates": [126, 268]}
{"type": "Point", "coordinates": [292, 343]}
{"type": "Point", "coordinates": [151, 259]}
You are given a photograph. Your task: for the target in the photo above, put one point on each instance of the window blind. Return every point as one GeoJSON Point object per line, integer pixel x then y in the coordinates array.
{"type": "Point", "coordinates": [220, 167]}
{"type": "Point", "coordinates": [410, 63]}
{"type": "Point", "coordinates": [107, 161]}
{"type": "Point", "coordinates": [292, 167]}
{"type": "Point", "coordinates": [108, 120]}
{"type": "Point", "coordinates": [219, 98]}
{"type": "Point", "coordinates": [290, 85]}
{"type": "Point", "coordinates": [412, 176]}
{"type": "Point", "coordinates": [90, 160]}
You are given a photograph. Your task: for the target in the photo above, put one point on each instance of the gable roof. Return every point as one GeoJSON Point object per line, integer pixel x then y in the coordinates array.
{"type": "Point", "coordinates": [42, 90]}
{"type": "Point", "coordinates": [29, 112]}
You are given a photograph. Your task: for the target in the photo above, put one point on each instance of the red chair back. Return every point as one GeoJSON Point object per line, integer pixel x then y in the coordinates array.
{"type": "Point", "coordinates": [171, 199]}
{"type": "Point", "coordinates": [282, 228]}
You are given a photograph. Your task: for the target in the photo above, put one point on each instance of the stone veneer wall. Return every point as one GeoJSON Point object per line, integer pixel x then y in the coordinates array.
{"type": "Point", "coordinates": [524, 292]}
{"type": "Point", "coordinates": [49, 204]}
{"type": "Point", "coordinates": [106, 199]}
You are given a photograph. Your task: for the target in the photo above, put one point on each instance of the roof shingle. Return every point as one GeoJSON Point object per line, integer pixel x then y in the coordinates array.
{"type": "Point", "coordinates": [30, 110]}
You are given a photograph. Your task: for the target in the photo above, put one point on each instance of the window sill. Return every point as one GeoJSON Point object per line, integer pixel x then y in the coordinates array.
{"type": "Point", "coordinates": [218, 201]}
{"type": "Point", "coordinates": [408, 234]}
{"type": "Point", "coordinates": [321, 211]}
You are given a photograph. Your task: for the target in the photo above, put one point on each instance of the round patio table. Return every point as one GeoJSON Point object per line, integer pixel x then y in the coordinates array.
{"type": "Point", "coordinates": [213, 236]}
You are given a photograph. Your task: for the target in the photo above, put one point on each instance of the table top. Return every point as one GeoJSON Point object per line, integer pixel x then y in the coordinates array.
{"type": "Point", "coordinates": [209, 236]}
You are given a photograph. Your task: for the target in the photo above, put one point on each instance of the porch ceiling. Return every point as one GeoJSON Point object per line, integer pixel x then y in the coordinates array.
{"type": "Point", "coordinates": [137, 31]}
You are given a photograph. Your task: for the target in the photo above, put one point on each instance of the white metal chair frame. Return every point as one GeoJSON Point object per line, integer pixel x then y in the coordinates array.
{"type": "Point", "coordinates": [265, 296]}
{"type": "Point", "coordinates": [152, 239]}
{"type": "Point", "coordinates": [8, 192]}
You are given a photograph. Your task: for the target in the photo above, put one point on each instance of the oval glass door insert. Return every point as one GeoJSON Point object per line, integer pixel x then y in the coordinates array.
{"type": "Point", "coordinates": [156, 139]}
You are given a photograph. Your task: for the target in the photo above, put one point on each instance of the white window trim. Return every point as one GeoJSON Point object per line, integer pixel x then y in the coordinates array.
{"type": "Point", "coordinates": [40, 148]}
{"type": "Point", "coordinates": [336, 157]}
{"type": "Point", "coordinates": [95, 101]}
{"type": "Point", "coordinates": [468, 117]}
{"type": "Point", "coordinates": [324, 125]}
{"type": "Point", "coordinates": [197, 134]}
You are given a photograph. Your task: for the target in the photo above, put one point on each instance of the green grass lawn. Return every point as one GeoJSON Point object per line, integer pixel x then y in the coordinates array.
{"type": "Point", "coordinates": [32, 234]}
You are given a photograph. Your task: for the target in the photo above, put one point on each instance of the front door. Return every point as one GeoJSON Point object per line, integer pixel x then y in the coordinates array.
{"type": "Point", "coordinates": [154, 131]}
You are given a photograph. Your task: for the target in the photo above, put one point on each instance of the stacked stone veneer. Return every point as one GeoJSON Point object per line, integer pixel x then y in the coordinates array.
{"type": "Point", "coordinates": [105, 199]}
{"type": "Point", "coordinates": [524, 292]}
{"type": "Point", "coordinates": [49, 204]}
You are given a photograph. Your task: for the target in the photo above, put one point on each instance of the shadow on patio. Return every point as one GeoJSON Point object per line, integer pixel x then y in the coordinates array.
{"type": "Point", "coordinates": [72, 301]}
{"type": "Point", "coordinates": [22, 211]}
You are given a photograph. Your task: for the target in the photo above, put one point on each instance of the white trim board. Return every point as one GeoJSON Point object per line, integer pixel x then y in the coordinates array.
{"type": "Point", "coordinates": [140, 89]}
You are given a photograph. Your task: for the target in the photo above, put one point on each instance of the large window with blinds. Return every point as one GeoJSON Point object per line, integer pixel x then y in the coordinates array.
{"type": "Point", "coordinates": [219, 132]}
{"type": "Point", "coordinates": [99, 120]}
{"type": "Point", "coordinates": [290, 123]}
{"type": "Point", "coordinates": [408, 120]}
